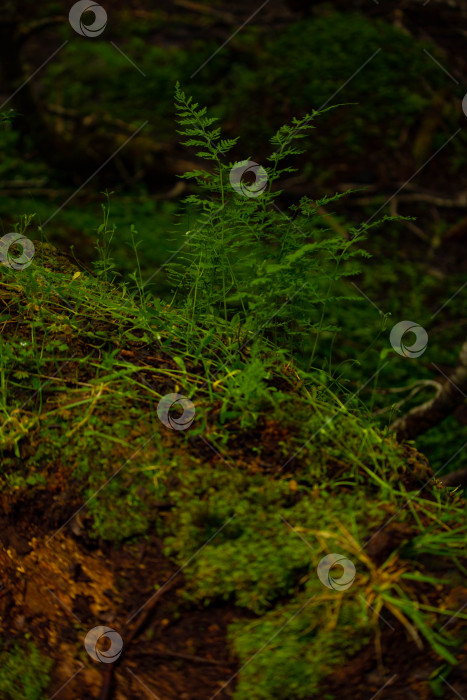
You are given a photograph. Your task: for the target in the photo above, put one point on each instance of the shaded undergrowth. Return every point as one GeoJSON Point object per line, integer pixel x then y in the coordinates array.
{"type": "Point", "coordinates": [273, 475]}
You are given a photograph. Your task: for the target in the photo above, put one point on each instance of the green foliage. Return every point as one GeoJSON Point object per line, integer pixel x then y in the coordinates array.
{"type": "Point", "coordinates": [6, 117]}
{"type": "Point", "coordinates": [249, 384]}
{"type": "Point", "coordinates": [404, 283]}
{"type": "Point", "coordinates": [260, 551]}
{"type": "Point", "coordinates": [247, 524]}
{"type": "Point", "coordinates": [105, 265]}
{"type": "Point", "coordinates": [246, 260]}
{"type": "Point", "coordinates": [300, 645]}
{"type": "Point", "coordinates": [93, 74]}
{"type": "Point", "coordinates": [294, 458]}
{"type": "Point", "coordinates": [251, 77]}
{"type": "Point", "coordinates": [363, 61]}
{"type": "Point", "coordinates": [24, 673]}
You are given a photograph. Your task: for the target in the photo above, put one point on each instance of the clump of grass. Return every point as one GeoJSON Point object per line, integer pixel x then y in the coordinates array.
{"type": "Point", "coordinates": [24, 673]}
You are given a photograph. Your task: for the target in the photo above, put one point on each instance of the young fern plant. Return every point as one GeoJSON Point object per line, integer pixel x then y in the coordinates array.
{"type": "Point", "coordinates": [248, 263]}
{"type": "Point", "coordinates": [204, 269]}
{"type": "Point", "coordinates": [104, 266]}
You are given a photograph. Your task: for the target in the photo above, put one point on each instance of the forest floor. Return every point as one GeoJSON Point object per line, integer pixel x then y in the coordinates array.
{"type": "Point", "coordinates": [85, 527]}
{"type": "Point", "coordinates": [70, 560]}
{"type": "Point", "coordinates": [179, 652]}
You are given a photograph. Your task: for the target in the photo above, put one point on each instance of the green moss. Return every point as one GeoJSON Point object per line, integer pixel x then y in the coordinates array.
{"type": "Point", "coordinates": [24, 673]}
{"type": "Point", "coordinates": [297, 650]}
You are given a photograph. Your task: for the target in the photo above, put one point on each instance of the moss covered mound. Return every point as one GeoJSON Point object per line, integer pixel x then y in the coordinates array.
{"type": "Point", "coordinates": [231, 519]}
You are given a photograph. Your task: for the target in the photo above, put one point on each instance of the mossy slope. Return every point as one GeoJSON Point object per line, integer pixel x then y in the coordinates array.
{"type": "Point", "coordinates": [273, 475]}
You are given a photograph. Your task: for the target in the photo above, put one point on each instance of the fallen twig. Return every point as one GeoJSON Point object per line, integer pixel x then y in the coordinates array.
{"type": "Point", "coordinates": [457, 478]}
{"type": "Point", "coordinates": [187, 657]}
{"type": "Point", "coordinates": [150, 605]}
{"type": "Point", "coordinates": [427, 415]}
{"type": "Point", "coordinates": [130, 636]}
